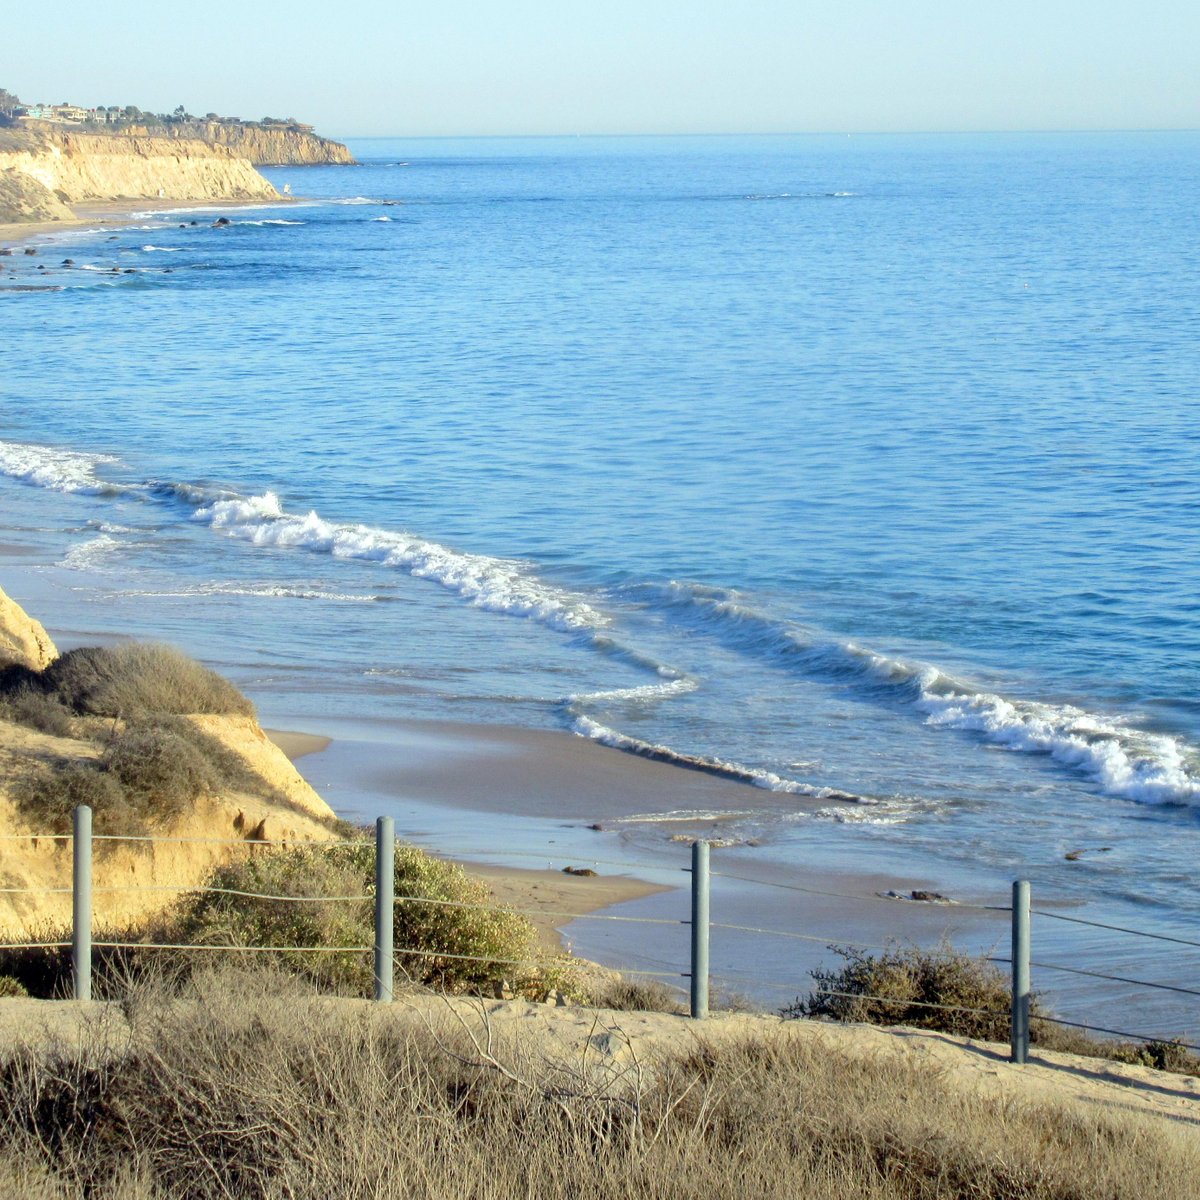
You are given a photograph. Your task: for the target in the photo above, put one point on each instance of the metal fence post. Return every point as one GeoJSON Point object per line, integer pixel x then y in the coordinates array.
{"type": "Point", "coordinates": [385, 896]}
{"type": "Point", "coordinates": [81, 895]}
{"type": "Point", "coordinates": [1020, 970]}
{"type": "Point", "coordinates": [699, 930]}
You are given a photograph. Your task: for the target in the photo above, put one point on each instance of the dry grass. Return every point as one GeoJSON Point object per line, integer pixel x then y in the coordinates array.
{"type": "Point", "coordinates": [28, 706]}
{"type": "Point", "coordinates": [256, 1090]}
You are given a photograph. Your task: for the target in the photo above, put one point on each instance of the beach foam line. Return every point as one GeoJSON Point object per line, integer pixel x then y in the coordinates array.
{"type": "Point", "coordinates": [708, 765]}
{"type": "Point", "coordinates": [57, 470]}
{"type": "Point", "coordinates": [87, 556]}
{"type": "Point", "coordinates": [263, 591]}
{"type": "Point", "coordinates": [495, 584]}
{"type": "Point", "coordinates": [1120, 759]}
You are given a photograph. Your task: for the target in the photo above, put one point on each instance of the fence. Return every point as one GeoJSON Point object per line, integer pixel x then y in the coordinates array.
{"type": "Point", "coordinates": [698, 976]}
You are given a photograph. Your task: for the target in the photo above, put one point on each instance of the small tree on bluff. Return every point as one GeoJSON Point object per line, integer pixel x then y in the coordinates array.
{"type": "Point", "coordinates": [8, 106]}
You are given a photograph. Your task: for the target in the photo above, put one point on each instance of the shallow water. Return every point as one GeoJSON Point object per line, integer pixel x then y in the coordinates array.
{"type": "Point", "coordinates": [862, 469]}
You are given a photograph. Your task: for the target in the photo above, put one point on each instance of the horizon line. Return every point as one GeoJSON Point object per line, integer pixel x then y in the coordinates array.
{"type": "Point", "coordinates": [990, 132]}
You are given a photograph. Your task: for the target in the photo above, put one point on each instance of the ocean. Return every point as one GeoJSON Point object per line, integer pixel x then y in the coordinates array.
{"type": "Point", "coordinates": [860, 471]}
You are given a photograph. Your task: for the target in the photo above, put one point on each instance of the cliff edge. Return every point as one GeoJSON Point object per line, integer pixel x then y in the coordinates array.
{"type": "Point", "coordinates": [41, 173]}
{"type": "Point", "coordinates": [23, 641]}
{"type": "Point", "coordinates": [207, 783]}
{"type": "Point", "coordinates": [279, 146]}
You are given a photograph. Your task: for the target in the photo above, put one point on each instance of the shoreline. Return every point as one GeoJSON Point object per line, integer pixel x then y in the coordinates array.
{"type": "Point", "coordinates": [119, 214]}
{"type": "Point", "coordinates": [545, 896]}
{"type": "Point", "coordinates": [529, 798]}
{"type": "Point", "coordinates": [519, 806]}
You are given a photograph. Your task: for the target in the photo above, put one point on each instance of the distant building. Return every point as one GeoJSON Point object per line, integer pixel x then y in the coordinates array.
{"type": "Point", "coordinates": [66, 114]}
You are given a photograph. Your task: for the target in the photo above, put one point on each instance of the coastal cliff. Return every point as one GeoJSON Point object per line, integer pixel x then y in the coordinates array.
{"type": "Point", "coordinates": [279, 146]}
{"type": "Point", "coordinates": [251, 790]}
{"type": "Point", "coordinates": [41, 173]}
{"type": "Point", "coordinates": [262, 145]}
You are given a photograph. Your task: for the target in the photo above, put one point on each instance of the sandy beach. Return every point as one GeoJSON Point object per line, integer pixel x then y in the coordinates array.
{"type": "Point", "coordinates": [115, 214]}
{"type": "Point", "coordinates": [518, 806]}
{"type": "Point", "coordinates": [548, 897]}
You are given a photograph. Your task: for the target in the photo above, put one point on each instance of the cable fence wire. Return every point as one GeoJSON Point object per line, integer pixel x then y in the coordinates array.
{"type": "Point", "coordinates": [1140, 1037]}
{"type": "Point", "coordinates": [801, 937]}
{"type": "Point", "coordinates": [1165, 987]}
{"type": "Point", "coordinates": [756, 981]}
{"type": "Point", "coordinates": [398, 953]}
{"type": "Point", "coordinates": [808, 891]}
{"type": "Point", "coordinates": [1158, 937]}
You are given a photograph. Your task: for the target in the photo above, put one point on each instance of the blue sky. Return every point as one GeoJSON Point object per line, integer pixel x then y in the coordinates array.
{"type": "Point", "coordinates": [368, 67]}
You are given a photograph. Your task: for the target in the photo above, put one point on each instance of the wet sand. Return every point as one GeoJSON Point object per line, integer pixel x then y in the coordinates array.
{"type": "Point", "coordinates": [549, 897]}
{"type": "Point", "coordinates": [117, 214]}
{"type": "Point", "coordinates": [500, 799]}
{"type": "Point", "coordinates": [297, 745]}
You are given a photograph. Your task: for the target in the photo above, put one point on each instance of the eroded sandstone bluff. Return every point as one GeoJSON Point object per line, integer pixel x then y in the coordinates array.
{"type": "Point", "coordinates": [279, 147]}
{"type": "Point", "coordinates": [271, 801]}
{"type": "Point", "coordinates": [44, 171]}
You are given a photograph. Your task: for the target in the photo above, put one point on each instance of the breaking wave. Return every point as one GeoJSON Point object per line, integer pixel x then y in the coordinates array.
{"type": "Point", "coordinates": [1121, 760]}
{"type": "Point", "coordinates": [1109, 752]}
{"type": "Point", "coordinates": [57, 470]}
{"type": "Point", "coordinates": [494, 584]}
{"type": "Point", "coordinates": [708, 765]}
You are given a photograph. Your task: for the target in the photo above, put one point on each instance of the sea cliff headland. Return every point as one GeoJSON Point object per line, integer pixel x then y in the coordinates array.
{"type": "Point", "coordinates": [44, 170]}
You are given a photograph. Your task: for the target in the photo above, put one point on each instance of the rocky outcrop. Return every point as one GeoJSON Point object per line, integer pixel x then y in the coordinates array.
{"type": "Point", "coordinates": [279, 147]}
{"type": "Point", "coordinates": [22, 639]}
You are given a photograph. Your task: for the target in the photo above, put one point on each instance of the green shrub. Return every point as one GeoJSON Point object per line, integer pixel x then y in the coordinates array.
{"type": "Point", "coordinates": [129, 681]}
{"type": "Point", "coordinates": [11, 987]}
{"type": "Point", "coordinates": [917, 982]}
{"type": "Point", "coordinates": [913, 984]}
{"type": "Point", "coordinates": [434, 935]}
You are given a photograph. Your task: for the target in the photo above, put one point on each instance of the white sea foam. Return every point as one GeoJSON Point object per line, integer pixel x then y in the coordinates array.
{"type": "Point", "coordinates": [264, 591]}
{"type": "Point", "coordinates": [495, 584]}
{"type": "Point", "coordinates": [1123, 761]}
{"type": "Point", "coordinates": [381, 218]}
{"type": "Point", "coordinates": [271, 221]}
{"type": "Point", "coordinates": [90, 555]}
{"type": "Point", "coordinates": [757, 776]}
{"type": "Point", "coordinates": [55, 469]}
{"type": "Point", "coordinates": [679, 686]}
{"type": "Point", "coordinates": [162, 249]}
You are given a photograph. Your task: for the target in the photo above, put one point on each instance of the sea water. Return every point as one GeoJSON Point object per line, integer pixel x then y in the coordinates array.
{"type": "Point", "coordinates": [862, 470]}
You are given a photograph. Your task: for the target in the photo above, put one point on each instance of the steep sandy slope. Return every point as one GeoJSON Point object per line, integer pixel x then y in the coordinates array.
{"type": "Point", "coordinates": [285, 808]}
{"type": "Point", "coordinates": [75, 167]}
{"type": "Point", "coordinates": [214, 828]}
{"type": "Point", "coordinates": [22, 639]}
{"type": "Point", "coordinates": [22, 198]}
{"type": "Point", "coordinates": [273, 147]}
